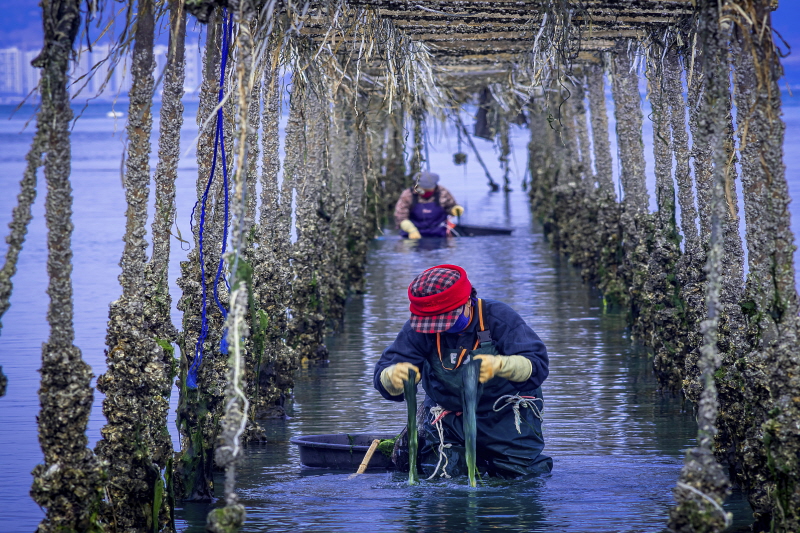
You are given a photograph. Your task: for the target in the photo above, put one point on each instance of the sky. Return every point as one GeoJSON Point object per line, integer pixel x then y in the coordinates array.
{"type": "Point", "coordinates": [21, 26]}
{"type": "Point", "coordinates": [786, 22]}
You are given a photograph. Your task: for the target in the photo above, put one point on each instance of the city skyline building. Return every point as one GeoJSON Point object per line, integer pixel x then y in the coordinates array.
{"type": "Point", "coordinates": [90, 74]}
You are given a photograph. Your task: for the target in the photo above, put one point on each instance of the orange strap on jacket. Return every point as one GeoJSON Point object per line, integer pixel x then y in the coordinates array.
{"type": "Point", "coordinates": [463, 350]}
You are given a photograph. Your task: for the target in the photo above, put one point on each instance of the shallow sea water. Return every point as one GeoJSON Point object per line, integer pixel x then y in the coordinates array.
{"type": "Point", "coordinates": [616, 441]}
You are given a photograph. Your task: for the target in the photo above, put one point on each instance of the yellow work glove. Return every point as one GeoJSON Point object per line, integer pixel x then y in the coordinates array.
{"type": "Point", "coordinates": [410, 228]}
{"type": "Point", "coordinates": [457, 211]}
{"type": "Point", "coordinates": [393, 377]}
{"type": "Point", "coordinates": [510, 367]}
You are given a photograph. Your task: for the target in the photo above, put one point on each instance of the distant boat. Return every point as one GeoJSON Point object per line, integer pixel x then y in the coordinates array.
{"type": "Point", "coordinates": [115, 114]}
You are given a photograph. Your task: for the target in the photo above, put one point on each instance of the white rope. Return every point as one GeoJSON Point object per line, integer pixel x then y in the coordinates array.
{"type": "Point", "coordinates": [515, 401]}
{"type": "Point", "coordinates": [238, 325]}
{"type": "Point", "coordinates": [718, 507]}
{"type": "Point", "coordinates": [436, 413]}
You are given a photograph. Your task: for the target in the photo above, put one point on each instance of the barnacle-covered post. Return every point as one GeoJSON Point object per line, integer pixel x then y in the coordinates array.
{"type": "Point", "coordinates": [349, 225]}
{"type": "Point", "coordinates": [21, 215]}
{"type": "Point", "coordinates": [305, 148]}
{"type": "Point", "coordinates": [272, 274]}
{"type": "Point", "coordinates": [253, 348]}
{"type": "Point", "coordinates": [695, 257]}
{"type": "Point", "coordinates": [69, 484]}
{"type": "Point", "coordinates": [662, 309]}
{"type": "Point", "coordinates": [599, 118]}
{"type": "Point", "coordinates": [732, 340]}
{"type": "Point", "coordinates": [703, 484]}
{"type": "Point", "coordinates": [570, 188]}
{"type": "Point", "coordinates": [362, 227]}
{"type": "Point", "coordinates": [635, 219]}
{"type": "Point", "coordinates": [252, 355]}
{"type": "Point", "coordinates": [396, 177]}
{"type": "Point", "coordinates": [234, 422]}
{"type": "Point", "coordinates": [607, 274]}
{"type": "Point", "coordinates": [730, 335]}
{"type": "Point", "coordinates": [543, 151]}
{"type": "Point", "coordinates": [771, 371]}
{"type": "Point", "coordinates": [136, 384]}
{"type": "Point", "coordinates": [201, 401]}
{"type": "Point", "coordinates": [376, 140]}
{"type": "Point", "coordinates": [157, 299]}
{"type": "Point", "coordinates": [418, 151]}
{"type": "Point", "coordinates": [584, 222]}
{"type": "Point", "coordinates": [158, 302]}
{"type": "Point", "coordinates": [333, 207]}
{"type": "Point", "coordinates": [558, 210]}
{"type": "Point", "coordinates": [689, 269]}
{"type": "Point", "coordinates": [505, 151]}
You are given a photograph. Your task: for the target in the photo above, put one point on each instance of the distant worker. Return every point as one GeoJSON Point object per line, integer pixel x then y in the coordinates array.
{"type": "Point", "coordinates": [422, 209]}
{"type": "Point", "coordinates": [450, 326]}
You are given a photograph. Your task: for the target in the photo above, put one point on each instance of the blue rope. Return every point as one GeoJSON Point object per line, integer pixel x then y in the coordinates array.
{"type": "Point", "coordinates": [219, 146]}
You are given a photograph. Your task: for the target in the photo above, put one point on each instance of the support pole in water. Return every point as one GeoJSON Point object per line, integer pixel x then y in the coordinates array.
{"type": "Point", "coordinates": [469, 403]}
{"type": "Point", "coordinates": [493, 186]}
{"type": "Point", "coordinates": [410, 392]}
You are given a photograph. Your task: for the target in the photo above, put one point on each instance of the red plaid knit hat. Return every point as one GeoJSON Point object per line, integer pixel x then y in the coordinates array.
{"type": "Point", "coordinates": [437, 298]}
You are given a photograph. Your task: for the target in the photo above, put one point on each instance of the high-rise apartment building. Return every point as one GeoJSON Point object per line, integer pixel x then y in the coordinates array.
{"type": "Point", "coordinates": [10, 71]}
{"type": "Point", "coordinates": [30, 74]}
{"type": "Point", "coordinates": [92, 73]}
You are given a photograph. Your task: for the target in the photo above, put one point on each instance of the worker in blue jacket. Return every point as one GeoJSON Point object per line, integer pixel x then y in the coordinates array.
{"type": "Point", "coordinates": [449, 326]}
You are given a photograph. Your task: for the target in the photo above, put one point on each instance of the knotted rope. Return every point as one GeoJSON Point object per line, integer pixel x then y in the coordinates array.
{"type": "Point", "coordinates": [515, 401]}
{"type": "Point", "coordinates": [219, 146]}
{"type": "Point", "coordinates": [438, 412]}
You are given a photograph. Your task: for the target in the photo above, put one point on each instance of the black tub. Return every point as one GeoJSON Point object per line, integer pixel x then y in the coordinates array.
{"type": "Point", "coordinates": [341, 451]}
{"type": "Point", "coordinates": [462, 230]}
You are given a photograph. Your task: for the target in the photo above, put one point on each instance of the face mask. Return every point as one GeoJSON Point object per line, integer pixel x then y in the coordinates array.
{"type": "Point", "coordinates": [427, 194]}
{"type": "Point", "coordinates": [461, 322]}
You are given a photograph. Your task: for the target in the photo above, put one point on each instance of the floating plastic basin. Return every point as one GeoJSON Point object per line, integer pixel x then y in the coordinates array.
{"type": "Point", "coordinates": [341, 451]}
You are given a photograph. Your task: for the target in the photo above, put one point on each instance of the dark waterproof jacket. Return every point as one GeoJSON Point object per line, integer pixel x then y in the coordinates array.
{"type": "Point", "coordinates": [510, 335]}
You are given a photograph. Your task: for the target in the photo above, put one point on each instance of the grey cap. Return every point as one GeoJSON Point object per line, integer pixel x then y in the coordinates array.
{"type": "Point", "coordinates": [427, 180]}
